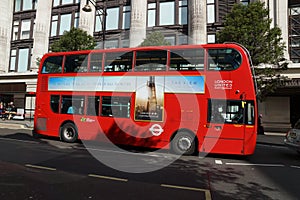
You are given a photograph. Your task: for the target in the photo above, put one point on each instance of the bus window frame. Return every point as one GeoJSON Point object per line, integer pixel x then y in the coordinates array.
{"type": "Point", "coordinates": [150, 66]}
{"type": "Point", "coordinates": [127, 68]}
{"type": "Point", "coordinates": [225, 116]}
{"type": "Point", "coordinates": [90, 62]}
{"type": "Point", "coordinates": [60, 68]}
{"type": "Point", "coordinates": [77, 68]}
{"type": "Point", "coordinates": [193, 67]}
{"type": "Point", "coordinates": [222, 67]}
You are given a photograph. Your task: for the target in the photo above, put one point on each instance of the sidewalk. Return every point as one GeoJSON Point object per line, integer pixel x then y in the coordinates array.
{"type": "Point", "coordinates": [269, 138]}
{"type": "Point", "coordinates": [16, 124]}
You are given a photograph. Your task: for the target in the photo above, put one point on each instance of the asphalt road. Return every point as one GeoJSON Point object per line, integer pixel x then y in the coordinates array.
{"type": "Point", "coordinates": [49, 169]}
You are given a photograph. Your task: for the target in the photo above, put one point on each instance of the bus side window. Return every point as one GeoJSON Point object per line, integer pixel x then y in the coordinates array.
{"type": "Point", "coordinates": [52, 65]}
{"type": "Point", "coordinates": [96, 62]}
{"type": "Point", "coordinates": [118, 61]}
{"type": "Point", "coordinates": [155, 60]}
{"type": "Point", "coordinates": [223, 59]}
{"type": "Point", "coordinates": [216, 111]}
{"type": "Point", "coordinates": [232, 111]}
{"type": "Point", "coordinates": [115, 106]}
{"type": "Point", "coordinates": [93, 106]}
{"type": "Point", "coordinates": [66, 104]}
{"type": "Point", "coordinates": [72, 105]}
{"type": "Point", "coordinates": [54, 103]}
{"type": "Point", "coordinates": [187, 59]}
{"type": "Point", "coordinates": [76, 63]}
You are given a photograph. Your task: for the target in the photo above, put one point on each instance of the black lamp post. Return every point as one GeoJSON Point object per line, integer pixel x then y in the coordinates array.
{"type": "Point", "coordinates": [101, 11]}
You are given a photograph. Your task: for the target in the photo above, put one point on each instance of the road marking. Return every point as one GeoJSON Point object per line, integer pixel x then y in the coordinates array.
{"type": "Point", "coordinates": [294, 166]}
{"type": "Point", "coordinates": [252, 164]}
{"type": "Point", "coordinates": [150, 154]}
{"type": "Point", "coordinates": [207, 192]}
{"type": "Point", "coordinates": [218, 162]}
{"type": "Point", "coordinates": [108, 177]}
{"type": "Point", "coordinates": [40, 167]}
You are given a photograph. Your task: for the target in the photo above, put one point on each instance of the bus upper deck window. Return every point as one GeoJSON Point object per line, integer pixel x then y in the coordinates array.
{"type": "Point", "coordinates": [52, 65]}
{"type": "Point", "coordinates": [96, 62]}
{"type": "Point", "coordinates": [224, 59]}
{"type": "Point", "coordinates": [76, 63]}
{"type": "Point", "coordinates": [187, 59]}
{"type": "Point", "coordinates": [118, 61]}
{"type": "Point", "coordinates": [151, 60]}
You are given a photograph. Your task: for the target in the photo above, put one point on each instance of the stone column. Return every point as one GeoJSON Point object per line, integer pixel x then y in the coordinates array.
{"type": "Point", "coordinates": [278, 12]}
{"type": "Point", "coordinates": [41, 32]}
{"type": "Point", "coordinates": [6, 14]}
{"type": "Point", "coordinates": [87, 19]}
{"type": "Point", "coordinates": [197, 22]}
{"type": "Point", "coordinates": [283, 23]}
{"type": "Point", "coordinates": [138, 22]}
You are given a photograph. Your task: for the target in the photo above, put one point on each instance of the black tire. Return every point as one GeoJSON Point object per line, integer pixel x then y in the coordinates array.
{"type": "Point", "coordinates": [69, 133]}
{"type": "Point", "coordinates": [183, 143]}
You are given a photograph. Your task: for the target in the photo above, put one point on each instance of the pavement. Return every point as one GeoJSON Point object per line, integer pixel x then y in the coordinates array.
{"type": "Point", "coordinates": [268, 138]}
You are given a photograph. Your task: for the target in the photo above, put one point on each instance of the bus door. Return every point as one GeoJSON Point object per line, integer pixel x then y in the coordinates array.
{"type": "Point", "coordinates": [226, 126]}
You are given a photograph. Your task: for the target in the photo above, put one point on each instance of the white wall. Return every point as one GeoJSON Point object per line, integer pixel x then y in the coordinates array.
{"type": "Point", "coordinates": [6, 14]}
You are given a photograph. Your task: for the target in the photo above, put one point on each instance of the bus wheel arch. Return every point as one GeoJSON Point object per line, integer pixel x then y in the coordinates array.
{"type": "Point", "coordinates": [184, 142]}
{"type": "Point", "coordinates": [68, 132]}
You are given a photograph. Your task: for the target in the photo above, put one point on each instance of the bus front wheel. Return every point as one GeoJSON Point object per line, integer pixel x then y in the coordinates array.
{"type": "Point", "coordinates": [183, 143]}
{"type": "Point", "coordinates": [69, 133]}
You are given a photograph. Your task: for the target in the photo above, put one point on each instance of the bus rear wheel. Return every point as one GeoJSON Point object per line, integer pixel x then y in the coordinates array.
{"type": "Point", "coordinates": [68, 132]}
{"type": "Point", "coordinates": [183, 143]}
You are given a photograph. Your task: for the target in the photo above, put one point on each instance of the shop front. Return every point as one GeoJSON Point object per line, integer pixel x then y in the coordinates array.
{"type": "Point", "coordinates": [19, 90]}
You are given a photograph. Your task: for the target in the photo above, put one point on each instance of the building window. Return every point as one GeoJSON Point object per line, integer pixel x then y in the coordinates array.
{"type": "Point", "coordinates": [294, 36]}
{"type": "Point", "coordinates": [23, 5]}
{"type": "Point", "coordinates": [15, 30]}
{"type": "Point", "coordinates": [183, 13]}
{"type": "Point", "coordinates": [167, 13]}
{"type": "Point", "coordinates": [244, 2]}
{"type": "Point", "coordinates": [295, 11]}
{"type": "Point", "coordinates": [112, 19]}
{"type": "Point", "coordinates": [76, 20]}
{"type": "Point", "coordinates": [54, 25]}
{"type": "Point", "coordinates": [211, 38]}
{"type": "Point", "coordinates": [13, 58]}
{"type": "Point", "coordinates": [111, 44]}
{"type": "Point", "coordinates": [22, 29]}
{"type": "Point", "coordinates": [64, 2]}
{"type": "Point", "coordinates": [151, 14]}
{"type": "Point", "coordinates": [19, 60]}
{"type": "Point", "coordinates": [98, 22]}
{"type": "Point", "coordinates": [63, 22]}
{"type": "Point", "coordinates": [125, 43]}
{"type": "Point", "coordinates": [25, 29]}
{"type": "Point", "coordinates": [182, 39]}
{"type": "Point", "coordinates": [126, 17]}
{"type": "Point", "coordinates": [171, 39]}
{"type": "Point", "coordinates": [211, 11]}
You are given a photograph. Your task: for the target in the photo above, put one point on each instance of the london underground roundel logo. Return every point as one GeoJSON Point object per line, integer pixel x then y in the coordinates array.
{"type": "Point", "coordinates": [156, 129]}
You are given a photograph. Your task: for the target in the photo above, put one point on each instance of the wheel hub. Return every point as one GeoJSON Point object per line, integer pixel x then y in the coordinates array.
{"type": "Point", "coordinates": [184, 143]}
{"type": "Point", "coordinates": [69, 133]}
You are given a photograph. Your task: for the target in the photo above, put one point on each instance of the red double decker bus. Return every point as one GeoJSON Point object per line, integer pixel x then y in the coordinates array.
{"type": "Point", "coordinates": [191, 98]}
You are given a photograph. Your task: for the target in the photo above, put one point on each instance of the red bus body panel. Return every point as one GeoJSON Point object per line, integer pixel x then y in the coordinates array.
{"type": "Point", "coordinates": [181, 111]}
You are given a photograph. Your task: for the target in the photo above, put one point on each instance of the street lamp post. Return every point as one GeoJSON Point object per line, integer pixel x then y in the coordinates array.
{"type": "Point", "coordinates": [101, 11]}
